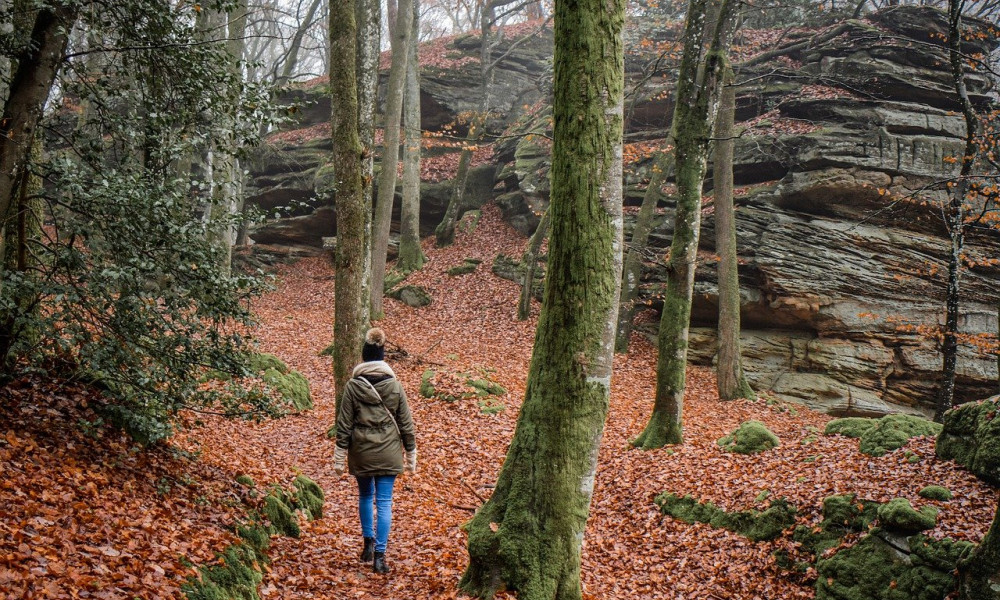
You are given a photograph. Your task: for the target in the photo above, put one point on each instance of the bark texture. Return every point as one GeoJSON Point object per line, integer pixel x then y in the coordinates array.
{"type": "Point", "coordinates": [348, 156]}
{"type": "Point", "coordinates": [528, 536]}
{"type": "Point", "coordinates": [369, 40]}
{"type": "Point", "coordinates": [390, 153]}
{"type": "Point", "coordinates": [411, 256]}
{"type": "Point", "coordinates": [731, 381]}
{"type": "Point", "coordinates": [694, 114]}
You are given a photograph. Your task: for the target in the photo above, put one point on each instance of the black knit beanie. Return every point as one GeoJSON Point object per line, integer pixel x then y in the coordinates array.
{"type": "Point", "coordinates": [374, 348]}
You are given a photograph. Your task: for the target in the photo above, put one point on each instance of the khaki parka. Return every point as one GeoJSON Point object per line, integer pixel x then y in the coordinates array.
{"type": "Point", "coordinates": [366, 430]}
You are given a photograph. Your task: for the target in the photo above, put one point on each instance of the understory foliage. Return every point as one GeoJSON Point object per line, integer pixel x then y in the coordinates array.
{"type": "Point", "coordinates": [123, 286]}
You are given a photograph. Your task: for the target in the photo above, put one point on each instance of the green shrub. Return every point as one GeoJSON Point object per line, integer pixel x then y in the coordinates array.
{"type": "Point", "coordinates": [750, 438]}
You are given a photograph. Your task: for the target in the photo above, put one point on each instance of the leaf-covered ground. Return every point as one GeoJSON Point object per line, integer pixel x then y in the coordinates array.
{"type": "Point", "coordinates": [87, 519]}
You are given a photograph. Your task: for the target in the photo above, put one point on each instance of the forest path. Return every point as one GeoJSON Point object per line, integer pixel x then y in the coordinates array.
{"type": "Point", "coordinates": [631, 551]}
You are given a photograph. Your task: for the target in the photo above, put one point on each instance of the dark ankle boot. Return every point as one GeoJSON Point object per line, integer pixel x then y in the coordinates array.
{"type": "Point", "coordinates": [368, 553]}
{"type": "Point", "coordinates": [379, 565]}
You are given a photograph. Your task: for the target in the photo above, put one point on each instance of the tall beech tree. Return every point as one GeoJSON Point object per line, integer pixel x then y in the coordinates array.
{"type": "Point", "coordinates": [528, 536]}
{"type": "Point", "coordinates": [411, 256]}
{"type": "Point", "coordinates": [348, 155]}
{"type": "Point", "coordinates": [369, 40]}
{"type": "Point", "coordinates": [390, 153]}
{"type": "Point", "coordinates": [730, 380]}
{"type": "Point", "coordinates": [698, 87]}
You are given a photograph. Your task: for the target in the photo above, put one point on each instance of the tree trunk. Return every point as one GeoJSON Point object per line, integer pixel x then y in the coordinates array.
{"type": "Point", "coordinates": [731, 381]}
{"type": "Point", "coordinates": [295, 48]}
{"type": "Point", "coordinates": [528, 536]}
{"type": "Point", "coordinates": [390, 154]}
{"type": "Point", "coordinates": [956, 212]}
{"type": "Point", "coordinates": [28, 92]}
{"type": "Point", "coordinates": [530, 262]}
{"type": "Point", "coordinates": [632, 272]}
{"type": "Point", "coordinates": [697, 103]}
{"type": "Point", "coordinates": [348, 155]}
{"type": "Point", "coordinates": [369, 40]}
{"type": "Point", "coordinates": [411, 255]}
{"type": "Point", "coordinates": [444, 233]}
{"type": "Point", "coordinates": [979, 575]}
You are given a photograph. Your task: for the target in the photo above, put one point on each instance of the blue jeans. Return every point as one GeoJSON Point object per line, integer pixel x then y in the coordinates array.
{"type": "Point", "coordinates": [376, 492]}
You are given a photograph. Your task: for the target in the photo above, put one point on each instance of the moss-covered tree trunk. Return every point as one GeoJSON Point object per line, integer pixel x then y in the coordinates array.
{"type": "Point", "coordinates": [979, 576]}
{"type": "Point", "coordinates": [528, 536]}
{"type": "Point", "coordinates": [697, 103]}
{"type": "Point", "coordinates": [369, 47]}
{"type": "Point", "coordinates": [348, 155]}
{"type": "Point", "coordinates": [411, 256]}
{"type": "Point", "coordinates": [390, 153]}
{"type": "Point", "coordinates": [731, 382]}
{"type": "Point", "coordinates": [530, 262]}
{"type": "Point", "coordinates": [632, 271]}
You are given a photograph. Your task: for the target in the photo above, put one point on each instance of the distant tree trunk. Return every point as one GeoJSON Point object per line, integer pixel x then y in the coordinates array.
{"type": "Point", "coordinates": [731, 381]}
{"type": "Point", "coordinates": [348, 155]}
{"type": "Point", "coordinates": [956, 212]}
{"type": "Point", "coordinates": [694, 114]}
{"type": "Point", "coordinates": [411, 255]}
{"type": "Point", "coordinates": [390, 154]}
{"type": "Point", "coordinates": [295, 47]}
{"type": "Point", "coordinates": [391, 17]}
{"type": "Point", "coordinates": [632, 272]}
{"type": "Point", "coordinates": [979, 575]}
{"type": "Point", "coordinates": [27, 94]}
{"type": "Point", "coordinates": [369, 40]}
{"type": "Point", "coordinates": [444, 233]}
{"type": "Point", "coordinates": [528, 536]}
{"type": "Point", "coordinates": [530, 262]}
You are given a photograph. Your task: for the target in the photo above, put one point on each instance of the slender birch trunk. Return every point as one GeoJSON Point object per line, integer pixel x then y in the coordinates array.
{"type": "Point", "coordinates": [731, 381]}
{"type": "Point", "coordinates": [368, 14]}
{"type": "Point", "coordinates": [411, 255]}
{"type": "Point", "coordinates": [390, 154]}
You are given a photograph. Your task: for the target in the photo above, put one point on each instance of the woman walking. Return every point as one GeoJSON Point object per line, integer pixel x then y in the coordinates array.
{"type": "Point", "coordinates": [375, 438]}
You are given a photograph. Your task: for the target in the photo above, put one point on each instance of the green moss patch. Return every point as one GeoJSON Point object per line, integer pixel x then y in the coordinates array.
{"type": "Point", "coordinates": [881, 436]}
{"type": "Point", "coordinates": [935, 492]}
{"type": "Point", "coordinates": [259, 363]}
{"type": "Point", "coordinates": [753, 524]}
{"type": "Point", "coordinates": [452, 386]}
{"type": "Point", "coordinates": [292, 386]}
{"type": "Point", "coordinates": [491, 406]}
{"type": "Point", "coordinates": [469, 265]}
{"type": "Point", "coordinates": [485, 387]}
{"type": "Point", "coordinates": [971, 437]}
{"type": "Point", "coordinates": [427, 389]}
{"type": "Point", "coordinates": [394, 278]}
{"type": "Point", "coordinates": [309, 496]}
{"type": "Point", "coordinates": [281, 516]}
{"type": "Point", "coordinates": [234, 577]}
{"type": "Point", "coordinates": [245, 480]}
{"type": "Point", "coordinates": [899, 515]}
{"type": "Point", "coordinates": [750, 437]}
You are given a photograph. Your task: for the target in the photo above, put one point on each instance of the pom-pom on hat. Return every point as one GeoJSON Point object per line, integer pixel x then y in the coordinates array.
{"type": "Point", "coordinates": [374, 348]}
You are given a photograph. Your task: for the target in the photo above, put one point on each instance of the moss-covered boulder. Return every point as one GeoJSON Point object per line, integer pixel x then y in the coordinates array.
{"type": "Point", "coordinates": [878, 568]}
{"type": "Point", "coordinates": [894, 431]}
{"type": "Point", "coordinates": [853, 427]}
{"type": "Point", "coordinates": [245, 480]}
{"type": "Point", "coordinates": [881, 436]}
{"type": "Point", "coordinates": [309, 496]}
{"type": "Point", "coordinates": [935, 492]}
{"type": "Point", "coordinates": [259, 363]}
{"type": "Point", "coordinates": [411, 295]}
{"type": "Point", "coordinates": [469, 265]}
{"type": "Point", "coordinates": [234, 577]}
{"type": "Point", "coordinates": [427, 383]}
{"type": "Point", "coordinates": [757, 525]}
{"type": "Point", "coordinates": [281, 516]}
{"type": "Point", "coordinates": [750, 437]}
{"type": "Point", "coordinates": [900, 516]}
{"type": "Point", "coordinates": [292, 386]}
{"type": "Point", "coordinates": [971, 437]}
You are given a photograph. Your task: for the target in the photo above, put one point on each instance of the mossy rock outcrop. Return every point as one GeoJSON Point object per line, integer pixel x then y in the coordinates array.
{"type": "Point", "coordinates": [935, 492]}
{"type": "Point", "coordinates": [309, 496]}
{"type": "Point", "coordinates": [881, 436]}
{"type": "Point", "coordinates": [235, 577]}
{"type": "Point", "coordinates": [971, 437]}
{"type": "Point", "coordinates": [899, 515]}
{"type": "Point", "coordinates": [750, 437]}
{"type": "Point", "coordinates": [877, 568]}
{"type": "Point", "coordinates": [292, 386]}
{"type": "Point", "coordinates": [260, 363]}
{"type": "Point", "coordinates": [469, 265]}
{"type": "Point", "coordinates": [411, 295]}
{"type": "Point", "coordinates": [753, 524]}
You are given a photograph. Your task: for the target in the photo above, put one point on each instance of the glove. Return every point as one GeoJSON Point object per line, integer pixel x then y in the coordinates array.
{"type": "Point", "coordinates": [339, 460]}
{"type": "Point", "coordinates": [410, 461]}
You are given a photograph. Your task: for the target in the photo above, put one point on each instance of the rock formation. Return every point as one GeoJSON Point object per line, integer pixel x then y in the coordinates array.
{"type": "Point", "coordinates": [834, 270]}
